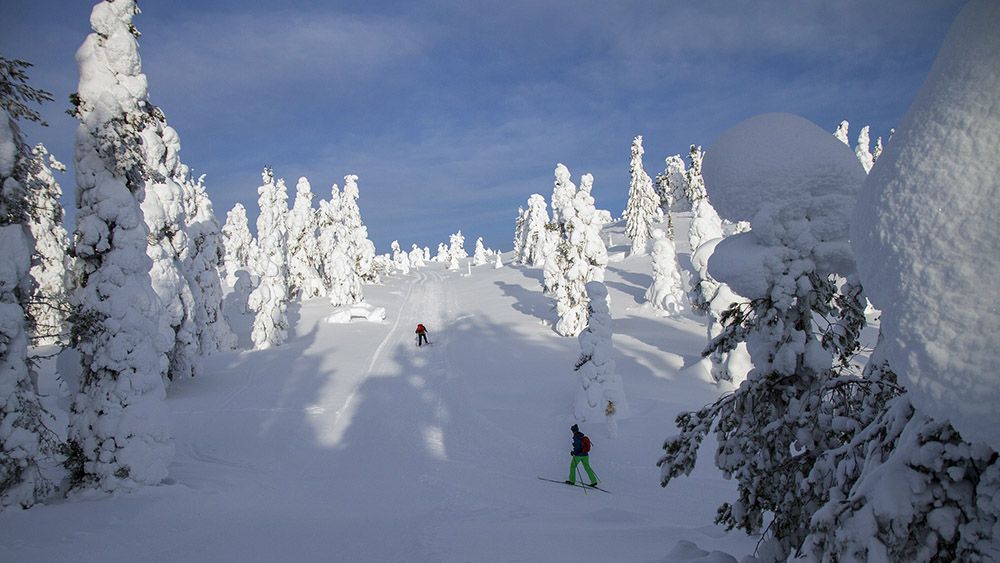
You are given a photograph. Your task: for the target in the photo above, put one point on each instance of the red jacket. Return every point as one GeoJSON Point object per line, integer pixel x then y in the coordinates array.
{"type": "Point", "coordinates": [420, 329]}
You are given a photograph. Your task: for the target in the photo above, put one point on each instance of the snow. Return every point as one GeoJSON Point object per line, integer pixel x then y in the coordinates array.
{"type": "Point", "coordinates": [925, 233]}
{"type": "Point", "coordinates": [350, 443]}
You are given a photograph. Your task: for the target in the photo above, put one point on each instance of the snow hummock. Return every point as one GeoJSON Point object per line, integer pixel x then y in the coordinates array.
{"type": "Point", "coordinates": [925, 233]}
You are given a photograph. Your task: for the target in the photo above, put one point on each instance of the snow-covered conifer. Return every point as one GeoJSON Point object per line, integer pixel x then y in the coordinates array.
{"type": "Point", "coordinates": [400, 258]}
{"type": "Point", "coordinates": [864, 155]}
{"type": "Point", "coordinates": [534, 232]}
{"type": "Point", "coordinates": [239, 245]}
{"type": "Point", "coordinates": [304, 280]}
{"type": "Point", "coordinates": [672, 185]}
{"type": "Point", "coordinates": [601, 392]}
{"type": "Point", "coordinates": [666, 293]}
{"type": "Point", "coordinates": [202, 269]}
{"type": "Point", "coordinates": [584, 231]}
{"type": "Point", "coordinates": [643, 202]}
{"type": "Point", "coordinates": [479, 254]}
{"type": "Point", "coordinates": [118, 438]}
{"type": "Point", "coordinates": [269, 299]}
{"type": "Point", "coordinates": [705, 224]}
{"type": "Point", "coordinates": [498, 263]}
{"type": "Point", "coordinates": [877, 151]}
{"type": "Point", "coordinates": [25, 440]}
{"type": "Point", "coordinates": [456, 250]}
{"type": "Point", "coordinates": [360, 250]}
{"type": "Point", "coordinates": [416, 256]}
{"type": "Point", "coordinates": [442, 253]}
{"type": "Point", "coordinates": [695, 183]}
{"type": "Point", "coordinates": [519, 232]}
{"type": "Point", "coordinates": [427, 254]}
{"type": "Point", "coordinates": [49, 305]}
{"type": "Point", "coordinates": [841, 133]}
{"type": "Point", "coordinates": [563, 191]}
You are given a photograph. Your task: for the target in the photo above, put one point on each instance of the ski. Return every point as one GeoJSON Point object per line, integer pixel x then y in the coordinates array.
{"type": "Point", "coordinates": [581, 485]}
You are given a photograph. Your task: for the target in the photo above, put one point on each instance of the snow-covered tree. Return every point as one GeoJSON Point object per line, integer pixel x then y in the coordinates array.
{"type": "Point", "coordinates": [360, 250]}
{"type": "Point", "coordinates": [643, 202]}
{"type": "Point", "coordinates": [456, 250]}
{"type": "Point", "coordinates": [442, 253]}
{"type": "Point", "coordinates": [343, 279]}
{"type": "Point", "coordinates": [563, 190]}
{"type": "Point", "coordinates": [666, 293]}
{"type": "Point", "coordinates": [118, 438]}
{"type": "Point", "coordinates": [202, 270]}
{"type": "Point", "coordinates": [304, 280]}
{"type": "Point", "coordinates": [270, 298]}
{"type": "Point", "coordinates": [671, 185]}
{"type": "Point", "coordinates": [479, 254]}
{"type": "Point", "coordinates": [239, 245]}
{"type": "Point", "coordinates": [519, 232]}
{"type": "Point", "coordinates": [713, 298]}
{"type": "Point", "coordinates": [601, 392]}
{"type": "Point", "coordinates": [417, 256]}
{"type": "Point", "coordinates": [788, 411]}
{"type": "Point", "coordinates": [25, 440]}
{"type": "Point", "coordinates": [498, 263]}
{"type": "Point", "coordinates": [427, 254]}
{"type": "Point", "coordinates": [400, 258]}
{"type": "Point", "coordinates": [535, 232]}
{"type": "Point", "coordinates": [49, 306]}
{"type": "Point", "coordinates": [877, 151]}
{"type": "Point", "coordinates": [705, 225]}
{"type": "Point", "coordinates": [695, 183]}
{"type": "Point", "coordinates": [841, 133]}
{"type": "Point", "coordinates": [861, 149]}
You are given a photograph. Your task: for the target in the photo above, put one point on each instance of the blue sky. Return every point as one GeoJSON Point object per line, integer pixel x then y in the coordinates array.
{"type": "Point", "coordinates": [453, 113]}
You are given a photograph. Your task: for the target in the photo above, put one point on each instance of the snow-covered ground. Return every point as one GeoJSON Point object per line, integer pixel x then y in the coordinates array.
{"type": "Point", "coordinates": [350, 443]}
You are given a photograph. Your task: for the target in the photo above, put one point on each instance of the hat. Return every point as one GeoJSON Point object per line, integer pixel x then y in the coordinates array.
{"type": "Point", "coordinates": [574, 428]}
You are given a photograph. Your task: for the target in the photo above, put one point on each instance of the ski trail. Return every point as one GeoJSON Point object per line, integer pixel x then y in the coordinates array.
{"type": "Point", "coordinates": [346, 408]}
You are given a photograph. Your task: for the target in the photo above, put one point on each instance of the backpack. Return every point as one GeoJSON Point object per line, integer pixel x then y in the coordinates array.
{"type": "Point", "coordinates": [585, 444]}
{"type": "Point", "coordinates": [420, 328]}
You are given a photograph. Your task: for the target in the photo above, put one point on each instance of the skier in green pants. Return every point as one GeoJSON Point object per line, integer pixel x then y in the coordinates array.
{"type": "Point", "coordinates": [581, 454]}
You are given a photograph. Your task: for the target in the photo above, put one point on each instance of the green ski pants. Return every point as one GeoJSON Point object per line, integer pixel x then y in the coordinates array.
{"type": "Point", "coordinates": [585, 460]}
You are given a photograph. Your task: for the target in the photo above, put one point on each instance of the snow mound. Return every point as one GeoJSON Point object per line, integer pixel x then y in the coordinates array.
{"type": "Point", "coordinates": [925, 233]}
{"type": "Point", "coordinates": [362, 311]}
{"type": "Point", "coordinates": [797, 185]}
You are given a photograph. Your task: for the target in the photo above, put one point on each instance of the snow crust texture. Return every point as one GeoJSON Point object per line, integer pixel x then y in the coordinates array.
{"type": "Point", "coordinates": [925, 233]}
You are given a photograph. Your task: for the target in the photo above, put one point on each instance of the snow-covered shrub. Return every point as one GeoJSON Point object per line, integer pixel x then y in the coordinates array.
{"type": "Point", "coordinates": [270, 298]}
{"type": "Point", "coordinates": [643, 202]}
{"type": "Point", "coordinates": [304, 258]}
{"type": "Point", "coordinates": [601, 393]}
{"type": "Point", "coordinates": [118, 437]}
{"type": "Point", "coordinates": [666, 293]}
{"type": "Point", "coordinates": [239, 245]}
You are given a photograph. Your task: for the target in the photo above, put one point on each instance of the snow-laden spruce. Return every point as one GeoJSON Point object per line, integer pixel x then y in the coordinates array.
{"type": "Point", "coordinates": [416, 256]}
{"type": "Point", "coordinates": [671, 186]}
{"type": "Point", "coordinates": [713, 298]}
{"type": "Point", "coordinates": [400, 259]}
{"type": "Point", "coordinates": [359, 249]}
{"type": "Point", "coordinates": [479, 256]}
{"type": "Point", "coordinates": [563, 190]}
{"type": "Point", "coordinates": [456, 250]}
{"type": "Point", "coordinates": [601, 395]}
{"type": "Point", "coordinates": [25, 438]}
{"type": "Point", "coordinates": [926, 238]}
{"type": "Point", "coordinates": [666, 293]}
{"type": "Point", "coordinates": [239, 245]}
{"type": "Point", "coordinates": [643, 203]}
{"type": "Point", "coordinates": [777, 422]}
{"type": "Point", "coordinates": [842, 132]}
{"type": "Point", "coordinates": [202, 266]}
{"type": "Point", "coordinates": [695, 188]}
{"type": "Point", "coordinates": [270, 298]}
{"type": "Point", "coordinates": [442, 253]}
{"type": "Point", "coordinates": [519, 232]}
{"type": "Point", "coordinates": [580, 257]}
{"type": "Point", "coordinates": [118, 437]}
{"type": "Point", "coordinates": [535, 232]}
{"type": "Point", "coordinates": [304, 280]}
{"type": "Point", "coordinates": [862, 150]}
{"type": "Point", "coordinates": [49, 305]}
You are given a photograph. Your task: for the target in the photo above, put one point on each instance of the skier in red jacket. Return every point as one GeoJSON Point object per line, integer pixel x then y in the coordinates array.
{"type": "Point", "coordinates": [421, 335]}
